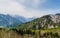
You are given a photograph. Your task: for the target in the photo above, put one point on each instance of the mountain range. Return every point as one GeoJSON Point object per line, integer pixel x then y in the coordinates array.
{"type": "Point", "coordinates": [12, 21]}
{"type": "Point", "coordinates": [42, 27]}
{"type": "Point", "coordinates": [44, 22]}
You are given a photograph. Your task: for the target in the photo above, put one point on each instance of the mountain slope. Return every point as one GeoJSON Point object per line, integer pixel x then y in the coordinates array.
{"type": "Point", "coordinates": [47, 21]}
{"type": "Point", "coordinates": [12, 21]}
{"type": "Point", "coordinates": [8, 21]}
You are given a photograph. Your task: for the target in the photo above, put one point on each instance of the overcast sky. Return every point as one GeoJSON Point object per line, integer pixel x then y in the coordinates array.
{"type": "Point", "coordinates": [29, 8]}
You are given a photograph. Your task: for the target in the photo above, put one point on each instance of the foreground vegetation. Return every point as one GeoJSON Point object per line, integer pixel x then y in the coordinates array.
{"type": "Point", "coordinates": [14, 33]}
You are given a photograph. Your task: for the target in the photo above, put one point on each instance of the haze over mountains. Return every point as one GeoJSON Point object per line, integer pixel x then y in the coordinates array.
{"type": "Point", "coordinates": [12, 21]}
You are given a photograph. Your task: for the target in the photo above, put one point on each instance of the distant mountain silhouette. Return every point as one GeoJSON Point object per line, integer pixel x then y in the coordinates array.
{"type": "Point", "coordinates": [11, 21]}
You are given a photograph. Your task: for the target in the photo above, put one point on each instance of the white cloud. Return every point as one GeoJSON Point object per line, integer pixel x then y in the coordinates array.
{"type": "Point", "coordinates": [13, 7]}
{"type": "Point", "coordinates": [18, 8]}
{"type": "Point", "coordinates": [36, 3]}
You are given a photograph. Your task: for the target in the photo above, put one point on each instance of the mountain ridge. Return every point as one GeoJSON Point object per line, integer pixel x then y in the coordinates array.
{"type": "Point", "coordinates": [11, 21]}
{"type": "Point", "coordinates": [44, 22]}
